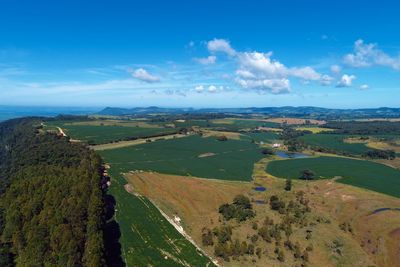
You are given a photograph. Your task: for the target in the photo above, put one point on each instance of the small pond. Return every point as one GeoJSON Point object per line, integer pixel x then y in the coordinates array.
{"type": "Point", "coordinates": [384, 209]}
{"type": "Point", "coordinates": [260, 188]}
{"type": "Point", "coordinates": [291, 155]}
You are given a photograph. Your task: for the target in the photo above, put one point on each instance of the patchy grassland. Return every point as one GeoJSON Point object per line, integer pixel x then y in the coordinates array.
{"type": "Point", "coordinates": [361, 173]}
{"type": "Point", "coordinates": [231, 160]}
{"type": "Point", "coordinates": [196, 202]}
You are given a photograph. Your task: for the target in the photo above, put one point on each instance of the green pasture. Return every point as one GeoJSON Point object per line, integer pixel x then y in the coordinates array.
{"type": "Point", "coordinates": [266, 137]}
{"type": "Point", "coordinates": [228, 160]}
{"type": "Point", "coordinates": [361, 173]}
{"type": "Point", "coordinates": [334, 142]}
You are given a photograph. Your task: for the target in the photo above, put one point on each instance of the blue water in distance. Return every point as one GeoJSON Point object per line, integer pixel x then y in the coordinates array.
{"type": "Point", "coordinates": [11, 112]}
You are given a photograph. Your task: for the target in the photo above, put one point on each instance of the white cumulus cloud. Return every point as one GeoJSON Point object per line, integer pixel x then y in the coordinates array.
{"type": "Point", "coordinates": [346, 80]}
{"type": "Point", "coordinates": [366, 55]}
{"type": "Point", "coordinates": [220, 45]}
{"type": "Point", "coordinates": [364, 87]}
{"type": "Point", "coordinates": [144, 75]}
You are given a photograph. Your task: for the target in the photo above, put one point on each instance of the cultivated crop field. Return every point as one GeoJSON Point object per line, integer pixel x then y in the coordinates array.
{"type": "Point", "coordinates": [334, 142]}
{"type": "Point", "coordinates": [146, 236]}
{"type": "Point", "coordinates": [101, 134]}
{"type": "Point", "coordinates": [360, 173]}
{"type": "Point", "coordinates": [190, 156]}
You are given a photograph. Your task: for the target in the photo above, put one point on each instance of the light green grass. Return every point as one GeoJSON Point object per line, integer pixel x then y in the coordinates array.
{"type": "Point", "coordinates": [360, 173]}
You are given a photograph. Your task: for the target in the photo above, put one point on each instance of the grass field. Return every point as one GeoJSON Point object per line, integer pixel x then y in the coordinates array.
{"type": "Point", "coordinates": [190, 156]}
{"type": "Point", "coordinates": [334, 142]}
{"type": "Point", "coordinates": [101, 134]}
{"type": "Point", "coordinates": [147, 238]}
{"type": "Point", "coordinates": [266, 137]}
{"type": "Point", "coordinates": [360, 173]}
{"type": "Point", "coordinates": [314, 129]}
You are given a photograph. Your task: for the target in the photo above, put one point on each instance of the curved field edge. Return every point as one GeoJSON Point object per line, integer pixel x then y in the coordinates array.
{"type": "Point", "coordinates": [361, 173]}
{"type": "Point", "coordinates": [146, 236]}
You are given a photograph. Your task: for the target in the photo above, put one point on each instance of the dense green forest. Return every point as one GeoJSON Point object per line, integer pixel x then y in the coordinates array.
{"type": "Point", "coordinates": [364, 127]}
{"type": "Point", "coordinates": [51, 203]}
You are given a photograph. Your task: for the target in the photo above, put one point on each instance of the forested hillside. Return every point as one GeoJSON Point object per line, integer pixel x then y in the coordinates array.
{"type": "Point", "coordinates": [51, 204]}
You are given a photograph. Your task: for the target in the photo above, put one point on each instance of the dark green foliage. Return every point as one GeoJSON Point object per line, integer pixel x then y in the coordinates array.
{"type": "Point", "coordinates": [307, 175]}
{"type": "Point", "coordinates": [364, 128]}
{"type": "Point", "coordinates": [380, 154]}
{"type": "Point", "coordinates": [276, 204]}
{"type": "Point", "coordinates": [52, 205]}
{"type": "Point", "coordinates": [222, 138]}
{"type": "Point", "coordinates": [267, 151]}
{"type": "Point", "coordinates": [207, 237]}
{"type": "Point", "coordinates": [241, 209]}
{"type": "Point", "coordinates": [223, 234]}
{"type": "Point", "coordinates": [288, 184]}
{"type": "Point", "coordinates": [250, 249]}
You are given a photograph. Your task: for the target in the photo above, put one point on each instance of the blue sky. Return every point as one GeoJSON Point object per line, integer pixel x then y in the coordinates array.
{"type": "Point", "coordinates": [200, 53]}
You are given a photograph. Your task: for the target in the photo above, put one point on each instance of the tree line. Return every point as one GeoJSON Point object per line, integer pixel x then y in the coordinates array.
{"type": "Point", "coordinates": [51, 203]}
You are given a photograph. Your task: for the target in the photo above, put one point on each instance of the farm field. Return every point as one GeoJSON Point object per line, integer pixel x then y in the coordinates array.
{"type": "Point", "coordinates": [228, 124]}
{"type": "Point", "coordinates": [146, 236]}
{"type": "Point", "coordinates": [101, 134]}
{"type": "Point", "coordinates": [334, 142]}
{"type": "Point", "coordinates": [296, 121]}
{"type": "Point", "coordinates": [314, 129]}
{"type": "Point", "coordinates": [190, 156]}
{"type": "Point", "coordinates": [266, 137]}
{"type": "Point", "coordinates": [361, 173]}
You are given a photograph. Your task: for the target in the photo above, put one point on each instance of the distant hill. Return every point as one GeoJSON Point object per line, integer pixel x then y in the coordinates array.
{"type": "Point", "coordinates": [312, 112]}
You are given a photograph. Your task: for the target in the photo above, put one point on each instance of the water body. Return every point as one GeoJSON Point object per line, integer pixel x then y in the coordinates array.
{"type": "Point", "coordinates": [260, 188]}
{"type": "Point", "coordinates": [291, 155]}
{"type": "Point", "coordinates": [11, 112]}
{"type": "Point", "coordinates": [384, 209]}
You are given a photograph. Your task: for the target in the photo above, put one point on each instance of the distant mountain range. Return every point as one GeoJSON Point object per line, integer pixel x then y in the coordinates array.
{"type": "Point", "coordinates": [312, 112]}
